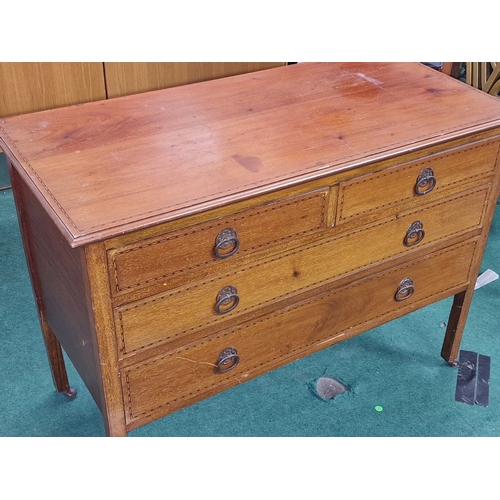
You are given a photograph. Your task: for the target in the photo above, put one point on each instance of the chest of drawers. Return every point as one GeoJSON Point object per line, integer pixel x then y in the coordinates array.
{"type": "Point", "coordinates": [186, 240]}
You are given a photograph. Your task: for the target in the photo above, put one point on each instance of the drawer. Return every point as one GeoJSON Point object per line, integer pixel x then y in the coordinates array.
{"type": "Point", "coordinates": [185, 310]}
{"type": "Point", "coordinates": [170, 381]}
{"type": "Point", "coordinates": [400, 184]}
{"type": "Point", "coordinates": [174, 257]}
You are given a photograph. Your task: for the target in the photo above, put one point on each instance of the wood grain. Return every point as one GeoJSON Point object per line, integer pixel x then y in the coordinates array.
{"type": "Point", "coordinates": [182, 311]}
{"type": "Point", "coordinates": [165, 259]}
{"type": "Point", "coordinates": [165, 383]}
{"type": "Point", "coordinates": [120, 202]}
{"type": "Point", "coordinates": [58, 284]}
{"type": "Point", "coordinates": [182, 150]}
{"type": "Point", "coordinates": [34, 86]}
{"type": "Point", "coordinates": [124, 78]}
{"type": "Point", "coordinates": [397, 185]}
{"type": "Point", "coordinates": [100, 314]}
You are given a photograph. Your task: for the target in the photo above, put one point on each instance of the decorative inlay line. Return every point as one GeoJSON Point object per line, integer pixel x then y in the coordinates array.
{"type": "Point", "coordinates": [233, 331]}
{"type": "Point", "coordinates": [287, 175]}
{"type": "Point", "coordinates": [237, 312]}
{"type": "Point", "coordinates": [322, 194]}
{"type": "Point", "coordinates": [397, 170]}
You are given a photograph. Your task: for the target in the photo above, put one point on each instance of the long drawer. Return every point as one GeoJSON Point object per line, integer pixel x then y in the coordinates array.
{"type": "Point", "coordinates": [167, 316]}
{"type": "Point", "coordinates": [168, 382]}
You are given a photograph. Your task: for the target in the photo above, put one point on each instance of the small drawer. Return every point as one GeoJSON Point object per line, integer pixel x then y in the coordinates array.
{"type": "Point", "coordinates": [418, 180]}
{"type": "Point", "coordinates": [168, 382]}
{"type": "Point", "coordinates": [174, 257]}
{"type": "Point", "coordinates": [175, 314]}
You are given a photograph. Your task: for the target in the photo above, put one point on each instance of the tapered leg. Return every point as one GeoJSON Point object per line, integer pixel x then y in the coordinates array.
{"type": "Point", "coordinates": [100, 309]}
{"type": "Point", "coordinates": [56, 361]}
{"type": "Point", "coordinates": [456, 324]}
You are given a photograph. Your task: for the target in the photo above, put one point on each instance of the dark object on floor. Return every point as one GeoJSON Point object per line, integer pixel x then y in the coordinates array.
{"type": "Point", "coordinates": [327, 388]}
{"type": "Point", "coordinates": [473, 379]}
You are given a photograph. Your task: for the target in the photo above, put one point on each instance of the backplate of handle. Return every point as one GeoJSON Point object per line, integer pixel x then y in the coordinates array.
{"type": "Point", "coordinates": [227, 360]}
{"type": "Point", "coordinates": [426, 181]}
{"type": "Point", "coordinates": [414, 235]}
{"type": "Point", "coordinates": [226, 243]}
{"type": "Point", "coordinates": [405, 290]}
{"type": "Point", "coordinates": [227, 299]}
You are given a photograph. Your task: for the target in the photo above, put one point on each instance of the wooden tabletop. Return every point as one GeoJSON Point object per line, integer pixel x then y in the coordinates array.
{"type": "Point", "coordinates": [108, 167]}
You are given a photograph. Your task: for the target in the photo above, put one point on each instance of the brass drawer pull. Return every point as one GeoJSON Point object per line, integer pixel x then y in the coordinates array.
{"type": "Point", "coordinates": [415, 234]}
{"type": "Point", "coordinates": [425, 182]}
{"type": "Point", "coordinates": [405, 290]}
{"type": "Point", "coordinates": [227, 360]}
{"type": "Point", "coordinates": [227, 300]}
{"type": "Point", "coordinates": [226, 243]}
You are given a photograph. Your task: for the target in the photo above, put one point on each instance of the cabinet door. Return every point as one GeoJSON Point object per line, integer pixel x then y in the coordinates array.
{"type": "Point", "coordinates": [124, 78]}
{"type": "Point", "coordinates": [33, 86]}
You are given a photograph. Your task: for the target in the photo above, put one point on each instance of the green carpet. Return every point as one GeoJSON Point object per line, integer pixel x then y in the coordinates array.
{"type": "Point", "coordinates": [4, 172]}
{"type": "Point", "coordinates": [396, 367]}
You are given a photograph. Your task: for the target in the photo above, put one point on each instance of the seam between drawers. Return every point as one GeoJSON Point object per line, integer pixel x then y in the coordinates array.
{"type": "Point", "coordinates": [398, 170]}
{"type": "Point", "coordinates": [219, 224]}
{"type": "Point", "coordinates": [280, 313]}
{"type": "Point", "coordinates": [298, 290]}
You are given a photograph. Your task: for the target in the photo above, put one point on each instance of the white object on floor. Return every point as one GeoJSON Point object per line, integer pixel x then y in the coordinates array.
{"type": "Point", "coordinates": [487, 277]}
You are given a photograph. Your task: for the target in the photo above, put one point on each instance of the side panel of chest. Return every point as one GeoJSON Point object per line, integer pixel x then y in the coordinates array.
{"type": "Point", "coordinates": [61, 291]}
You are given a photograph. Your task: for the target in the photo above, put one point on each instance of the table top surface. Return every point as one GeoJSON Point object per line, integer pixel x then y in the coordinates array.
{"type": "Point", "coordinates": [109, 167]}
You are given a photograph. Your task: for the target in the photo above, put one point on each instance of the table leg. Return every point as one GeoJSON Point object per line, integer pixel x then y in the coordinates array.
{"type": "Point", "coordinates": [56, 361]}
{"type": "Point", "coordinates": [456, 324]}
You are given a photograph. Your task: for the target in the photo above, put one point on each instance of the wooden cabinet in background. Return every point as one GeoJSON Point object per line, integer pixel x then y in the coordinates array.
{"type": "Point", "coordinates": [26, 87]}
{"type": "Point", "coordinates": [35, 86]}
{"type": "Point", "coordinates": [125, 78]}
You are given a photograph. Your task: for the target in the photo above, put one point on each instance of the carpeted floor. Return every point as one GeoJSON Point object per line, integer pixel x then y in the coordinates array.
{"type": "Point", "coordinates": [396, 368]}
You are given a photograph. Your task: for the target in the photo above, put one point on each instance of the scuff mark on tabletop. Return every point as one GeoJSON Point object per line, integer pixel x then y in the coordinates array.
{"type": "Point", "coordinates": [369, 79]}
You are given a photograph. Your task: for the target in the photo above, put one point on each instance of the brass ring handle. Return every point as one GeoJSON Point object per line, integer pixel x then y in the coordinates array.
{"type": "Point", "coordinates": [227, 299]}
{"type": "Point", "coordinates": [426, 181]}
{"type": "Point", "coordinates": [227, 360]}
{"type": "Point", "coordinates": [405, 290]}
{"type": "Point", "coordinates": [226, 243]}
{"type": "Point", "coordinates": [414, 235]}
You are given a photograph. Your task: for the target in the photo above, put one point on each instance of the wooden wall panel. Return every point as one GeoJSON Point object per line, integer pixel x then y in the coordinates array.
{"type": "Point", "coordinates": [125, 78]}
{"type": "Point", "coordinates": [33, 86]}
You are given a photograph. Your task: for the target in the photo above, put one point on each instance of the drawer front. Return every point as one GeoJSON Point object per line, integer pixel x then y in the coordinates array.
{"type": "Point", "coordinates": [172, 257]}
{"type": "Point", "coordinates": [395, 185]}
{"type": "Point", "coordinates": [168, 382]}
{"type": "Point", "coordinates": [181, 312]}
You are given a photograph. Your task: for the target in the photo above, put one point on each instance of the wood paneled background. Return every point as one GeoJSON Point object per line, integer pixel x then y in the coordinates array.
{"type": "Point", "coordinates": [30, 86]}
{"type": "Point", "coordinates": [132, 78]}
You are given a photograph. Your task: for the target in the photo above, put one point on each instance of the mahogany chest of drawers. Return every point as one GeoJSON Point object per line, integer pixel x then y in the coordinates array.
{"type": "Point", "coordinates": [186, 240]}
